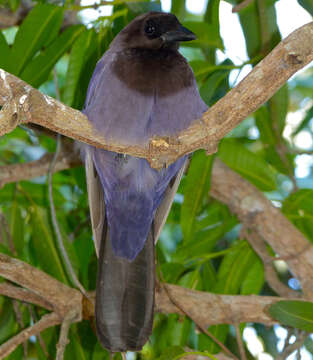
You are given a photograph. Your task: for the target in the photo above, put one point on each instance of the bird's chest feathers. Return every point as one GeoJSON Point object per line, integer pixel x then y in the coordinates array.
{"type": "Point", "coordinates": [159, 73]}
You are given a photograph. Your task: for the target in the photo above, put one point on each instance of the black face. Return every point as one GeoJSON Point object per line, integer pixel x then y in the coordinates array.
{"type": "Point", "coordinates": [167, 28]}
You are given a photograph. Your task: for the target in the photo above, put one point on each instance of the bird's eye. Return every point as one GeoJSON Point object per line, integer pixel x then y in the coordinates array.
{"type": "Point", "coordinates": [150, 29]}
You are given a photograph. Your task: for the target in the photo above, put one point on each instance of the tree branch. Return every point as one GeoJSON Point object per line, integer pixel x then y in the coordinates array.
{"type": "Point", "coordinates": [24, 104]}
{"type": "Point", "coordinates": [251, 206]}
{"type": "Point", "coordinates": [61, 297]}
{"type": "Point", "coordinates": [205, 308]}
{"type": "Point", "coordinates": [254, 209]}
{"type": "Point", "coordinates": [45, 322]}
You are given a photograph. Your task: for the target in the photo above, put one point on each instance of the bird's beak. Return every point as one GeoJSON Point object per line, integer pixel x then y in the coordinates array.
{"type": "Point", "coordinates": [182, 34]}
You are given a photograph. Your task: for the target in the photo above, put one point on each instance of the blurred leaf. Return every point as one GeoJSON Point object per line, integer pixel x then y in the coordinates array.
{"type": "Point", "coordinates": [140, 7]}
{"type": "Point", "coordinates": [206, 344]}
{"type": "Point", "coordinates": [298, 314]}
{"type": "Point", "coordinates": [99, 353]}
{"type": "Point", "coordinates": [207, 35]}
{"type": "Point", "coordinates": [8, 325]}
{"type": "Point", "coordinates": [278, 107]}
{"type": "Point", "coordinates": [43, 244]}
{"type": "Point", "coordinates": [38, 70]}
{"type": "Point", "coordinates": [307, 5]}
{"type": "Point", "coordinates": [254, 281]}
{"type": "Point", "coordinates": [39, 28]}
{"type": "Point", "coordinates": [77, 61]}
{"type": "Point", "coordinates": [74, 349]}
{"type": "Point", "coordinates": [196, 189]}
{"type": "Point", "coordinates": [234, 268]}
{"type": "Point", "coordinates": [171, 352]}
{"type": "Point", "coordinates": [5, 58]}
{"type": "Point", "coordinates": [246, 163]}
{"type": "Point", "coordinates": [14, 4]}
{"type": "Point", "coordinates": [305, 122]}
{"type": "Point", "coordinates": [16, 223]}
{"type": "Point", "coordinates": [204, 241]}
{"type": "Point", "coordinates": [179, 9]}
{"type": "Point", "coordinates": [298, 207]}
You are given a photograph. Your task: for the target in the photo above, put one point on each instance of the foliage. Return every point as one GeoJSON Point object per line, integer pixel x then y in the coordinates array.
{"type": "Point", "coordinates": [200, 247]}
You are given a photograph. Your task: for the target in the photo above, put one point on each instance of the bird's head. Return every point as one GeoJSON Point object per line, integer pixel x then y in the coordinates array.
{"type": "Point", "coordinates": [154, 30]}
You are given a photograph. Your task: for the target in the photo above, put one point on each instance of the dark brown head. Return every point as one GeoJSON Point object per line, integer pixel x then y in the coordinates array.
{"type": "Point", "coordinates": [153, 30]}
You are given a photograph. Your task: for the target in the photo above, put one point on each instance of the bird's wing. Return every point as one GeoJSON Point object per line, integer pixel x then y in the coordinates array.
{"type": "Point", "coordinates": [96, 200]}
{"type": "Point", "coordinates": [165, 206]}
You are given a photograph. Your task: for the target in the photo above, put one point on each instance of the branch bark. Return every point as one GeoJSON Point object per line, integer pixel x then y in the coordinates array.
{"type": "Point", "coordinates": [205, 308]}
{"type": "Point", "coordinates": [23, 104]}
{"type": "Point", "coordinates": [254, 209]}
{"type": "Point", "coordinates": [245, 200]}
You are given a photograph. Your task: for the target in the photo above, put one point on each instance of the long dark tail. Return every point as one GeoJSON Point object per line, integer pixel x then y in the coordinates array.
{"type": "Point", "coordinates": [125, 297]}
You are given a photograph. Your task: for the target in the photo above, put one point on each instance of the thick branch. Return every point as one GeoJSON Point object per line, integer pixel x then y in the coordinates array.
{"type": "Point", "coordinates": [211, 309]}
{"type": "Point", "coordinates": [32, 169]}
{"type": "Point", "coordinates": [24, 104]}
{"type": "Point", "coordinates": [205, 308]}
{"type": "Point", "coordinates": [252, 207]}
{"type": "Point", "coordinates": [22, 294]}
{"type": "Point", "coordinates": [61, 297]}
{"type": "Point", "coordinates": [244, 199]}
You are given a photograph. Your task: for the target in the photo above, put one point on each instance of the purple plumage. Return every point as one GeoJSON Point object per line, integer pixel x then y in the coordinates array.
{"type": "Point", "coordinates": [141, 87]}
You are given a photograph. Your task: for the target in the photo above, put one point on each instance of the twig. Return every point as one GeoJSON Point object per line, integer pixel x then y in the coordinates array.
{"type": "Point", "coordinates": [60, 242]}
{"type": "Point", "coordinates": [289, 349]}
{"type": "Point", "coordinates": [19, 320]}
{"type": "Point", "coordinates": [269, 223]}
{"type": "Point", "coordinates": [63, 340]}
{"type": "Point", "coordinates": [241, 196]}
{"type": "Point", "coordinates": [241, 6]}
{"type": "Point", "coordinates": [19, 293]}
{"type": "Point", "coordinates": [188, 314]}
{"type": "Point", "coordinates": [41, 341]}
{"type": "Point", "coordinates": [241, 346]}
{"type": "Point", "coordinates": [270, 274]}
{"type": "Point", "coordinates": [45, 322]}
{"type": "Point", "coordinates": [60, 296]}
{"type": "Point", "coordinates": [69, 267]}
{"type": "Point", "coordinates": [23, 104]}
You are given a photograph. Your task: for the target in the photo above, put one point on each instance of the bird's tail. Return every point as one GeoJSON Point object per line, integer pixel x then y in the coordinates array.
{"type": "Point", "coordinates": [125, 297]}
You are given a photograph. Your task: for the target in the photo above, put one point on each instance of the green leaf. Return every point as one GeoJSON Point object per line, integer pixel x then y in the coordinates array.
{"type": "Point", "coordinates": [172, 352]}
{"type": "Point", "coordinates": [43, 244]}
{"type": "Point", "coordinates": [99, 353]}
{"type": "Point", "coordinates": [196, 188]}
{"type": "Point", "coordinates": [298, 314]}
{"type": "Point", "coordinates": [249, 165]}
{"type": "Point", "coordinates": [278, 108]}
{"type": "Point", "coordinates": [209, 88]}
{"type": "Point", "coordinates": [179, 9]}
{"type": "Point", "coordinates": [5, 58]}
{"type": "Point", "coordinates": [254, 281]}
{"type": "Point", "coordinates": [307, 5]}
{"type": "Point", "coordinates": [234, 268]}
{"type": "Point", "coordinates": [298, 207]}
{"type": "Point", "coordinates": [204, 241]}
{"type": "Point", "coordinates": [206, 344]}
{"type": "Point", "coordinates": [305, 122]}
{"type": "Point", "coordinates": [17, 227]}
{"type": "Point", "coordinates": [38, 70]}
{"type": "Point", "coordinates": [40, 27]}
{"type": "Point", "coordinates": [207, 35]}
{"type": "Point", "coordinates": [76, 64]}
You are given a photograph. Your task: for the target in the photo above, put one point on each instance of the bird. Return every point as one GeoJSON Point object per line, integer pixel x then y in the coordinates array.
{"type": "Point", "coordinates": [141, 87]}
